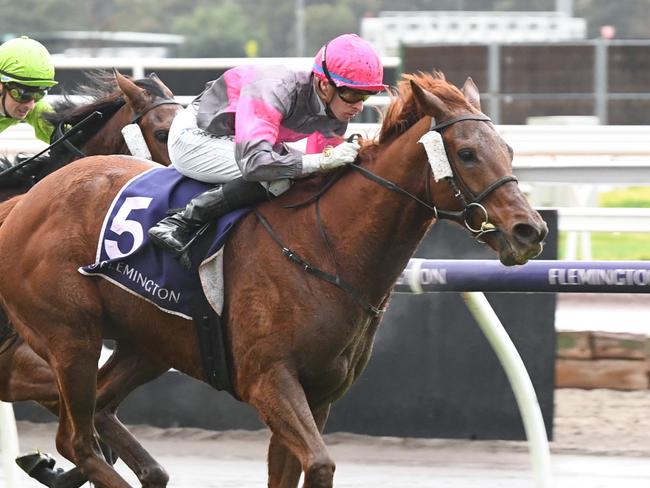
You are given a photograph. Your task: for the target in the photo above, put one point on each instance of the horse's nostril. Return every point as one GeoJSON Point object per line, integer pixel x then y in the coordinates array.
{"type": "Point", "coordinates": [527, 233]}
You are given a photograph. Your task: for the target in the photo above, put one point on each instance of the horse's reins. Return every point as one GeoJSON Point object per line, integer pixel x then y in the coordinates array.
{"type": "Point", "coordinates": [76, 128]}
{"type": "Point", "coordinates": [59, 131]}
{"type": "Point", "coordinates": [463, 214]}
{"type": "Point", "coordinates": [334, 279]}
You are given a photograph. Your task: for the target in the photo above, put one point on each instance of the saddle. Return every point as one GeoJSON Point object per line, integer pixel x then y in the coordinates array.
{"type": "Point", "coordinates": [126, 258]}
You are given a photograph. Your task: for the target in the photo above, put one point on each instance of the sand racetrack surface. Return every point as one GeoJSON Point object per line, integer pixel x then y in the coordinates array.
{"type": "Point", "coordinates": [602, 439]}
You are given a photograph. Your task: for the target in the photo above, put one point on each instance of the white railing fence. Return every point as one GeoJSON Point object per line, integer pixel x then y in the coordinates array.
{"type": "Point", "coordinates": [564, 162]}
{"type": "Point", "coordinates": [8, 445]}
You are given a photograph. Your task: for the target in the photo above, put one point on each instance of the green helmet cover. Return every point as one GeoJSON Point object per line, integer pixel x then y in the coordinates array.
{"type": "Point", "coordinates": [26, 61]}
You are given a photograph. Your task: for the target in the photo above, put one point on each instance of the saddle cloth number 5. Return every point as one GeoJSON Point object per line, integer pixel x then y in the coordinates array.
{"type": "Point", "coordinates": [121, 224]}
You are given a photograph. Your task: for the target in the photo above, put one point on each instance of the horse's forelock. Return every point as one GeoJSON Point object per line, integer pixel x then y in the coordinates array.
{"type": "Point", "coordinates": [403, 111]}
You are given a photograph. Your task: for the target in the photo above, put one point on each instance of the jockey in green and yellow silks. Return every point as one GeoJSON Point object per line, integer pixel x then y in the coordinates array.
{"type": "Point", "coordinates": [26, 74]}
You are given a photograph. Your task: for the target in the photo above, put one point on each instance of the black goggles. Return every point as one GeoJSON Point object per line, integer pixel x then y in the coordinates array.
{"type": "Point", "coordinates": [345, 93]}
{"type": "Point", "coordinates": [352, 96]}
{"type": "Point", "coordinates": [24, 94]}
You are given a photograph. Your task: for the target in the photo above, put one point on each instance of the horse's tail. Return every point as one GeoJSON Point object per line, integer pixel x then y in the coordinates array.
{"type": "Point", "coordinates": [7, 206]}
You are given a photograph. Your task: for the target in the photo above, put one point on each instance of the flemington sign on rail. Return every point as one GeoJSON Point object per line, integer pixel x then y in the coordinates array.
{"type": "Point", "coordinates": [429, 275]}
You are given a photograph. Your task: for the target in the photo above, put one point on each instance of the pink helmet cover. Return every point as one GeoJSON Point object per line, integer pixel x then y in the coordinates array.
{"type": "Point", "coordinates": [352, 62]}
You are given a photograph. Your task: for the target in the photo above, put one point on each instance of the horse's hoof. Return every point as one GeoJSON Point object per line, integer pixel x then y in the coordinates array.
{"type": "Point", "coordinates": [29, 463]}
{"type": "Point", "coordinates": [40, 466]}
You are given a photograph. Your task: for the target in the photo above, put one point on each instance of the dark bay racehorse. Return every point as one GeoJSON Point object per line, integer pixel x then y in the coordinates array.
{"type": "Point", "coordinates": [147, 102]}
{"type": "Point", "coordinates": [297, 341]}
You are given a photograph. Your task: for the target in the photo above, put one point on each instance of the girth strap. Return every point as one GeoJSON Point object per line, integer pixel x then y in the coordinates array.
{"type": "Point", "coordinates": [216, 357]}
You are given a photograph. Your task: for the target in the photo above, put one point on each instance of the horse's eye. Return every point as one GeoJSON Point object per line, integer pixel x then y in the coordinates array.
{"type": "Point", "coordinates": [467, 155]}
{"type": "Point", "coordinates": [161, 136]}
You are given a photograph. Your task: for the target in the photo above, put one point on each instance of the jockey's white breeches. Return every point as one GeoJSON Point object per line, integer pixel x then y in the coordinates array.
{"type": "Point", "coordinates": [206, 157]}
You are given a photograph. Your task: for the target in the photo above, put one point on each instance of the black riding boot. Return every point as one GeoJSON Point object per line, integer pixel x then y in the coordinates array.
{"type": "Point", "coordinates": [173, 233]}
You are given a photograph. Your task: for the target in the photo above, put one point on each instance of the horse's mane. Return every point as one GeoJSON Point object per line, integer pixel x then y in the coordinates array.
{"type": "Point", "coordinates": [403, 111]}
{"type": "Point", "coordinates": [104, 94]}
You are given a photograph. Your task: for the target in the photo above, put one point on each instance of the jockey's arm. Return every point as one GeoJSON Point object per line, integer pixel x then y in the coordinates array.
{"type": "Point", "coordinates": [259, 151]}
{"type": "Point", "coordinates": [257, 127]}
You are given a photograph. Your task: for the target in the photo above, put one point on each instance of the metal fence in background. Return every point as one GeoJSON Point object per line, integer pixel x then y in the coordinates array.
{"type": "Point", "coordinates": [603, 78]}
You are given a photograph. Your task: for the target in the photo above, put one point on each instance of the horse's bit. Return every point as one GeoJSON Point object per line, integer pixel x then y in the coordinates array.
{"type": "Point", "coordinates": [475, 202]}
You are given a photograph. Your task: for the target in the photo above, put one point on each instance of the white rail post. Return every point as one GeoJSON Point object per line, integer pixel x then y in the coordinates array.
{"type": "Point", "coordinates": [9, 444]}
{"type": "Point", "coordinates": [519, 381]}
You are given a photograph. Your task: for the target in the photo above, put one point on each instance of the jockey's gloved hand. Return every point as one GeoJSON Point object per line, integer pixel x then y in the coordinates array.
{"type": "Point", "coordinates": [330, 158]}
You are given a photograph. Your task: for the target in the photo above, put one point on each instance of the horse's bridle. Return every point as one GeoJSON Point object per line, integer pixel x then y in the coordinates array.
{"type": "Point", "coordinates": [59, 130]}
{"type": "Point", "coordinates": [336, 279]}
{"type": "Point", "coordinates": [165, 101]}
{"type": "Point", "coordinates": [459, 187]}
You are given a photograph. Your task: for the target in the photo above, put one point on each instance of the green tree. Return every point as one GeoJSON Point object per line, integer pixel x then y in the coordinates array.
{"type": "Point", "coordinates": [323, 22]}
{"type": "Point", "coordinates": [151, 15]}
{"type": "Point", "coordinates": [274, 25]}
{"type": "Point", "coordinates": [28, 16]}
{"type": "Point", "coordinates": [220, 31]}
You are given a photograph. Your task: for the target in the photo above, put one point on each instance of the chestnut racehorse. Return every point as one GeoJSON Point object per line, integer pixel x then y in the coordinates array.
{"type": "Point", "coordinates": [147, 102]}
{"type": "Point", "coordinates": [298, 335]}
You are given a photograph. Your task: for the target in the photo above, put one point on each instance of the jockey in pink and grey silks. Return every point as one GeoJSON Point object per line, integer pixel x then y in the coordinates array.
{"type": "Point", "coordinates": [234, 132]}
{"type": "Point", "coordinates": [264, 106]}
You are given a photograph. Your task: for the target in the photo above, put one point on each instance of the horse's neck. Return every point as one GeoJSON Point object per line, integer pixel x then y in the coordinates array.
{"type": "Point", "coordinates": [375, 228]}
{"type": "Point", "coordinates": [108, 139]}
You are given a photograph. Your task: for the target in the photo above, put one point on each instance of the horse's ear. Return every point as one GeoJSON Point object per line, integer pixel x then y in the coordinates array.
{"type": "Point", "coordinates": [470, 90]}
{"type": "Point", "coordinates": [154, 76]}
{"type": "Point", "coordinates": [428, 102]}
{"type": "Point", "coordinates": [135, 96]}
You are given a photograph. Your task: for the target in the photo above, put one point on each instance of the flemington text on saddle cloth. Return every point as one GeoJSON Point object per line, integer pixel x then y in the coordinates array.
{"type": "Point", "coordinates": [126, 257]}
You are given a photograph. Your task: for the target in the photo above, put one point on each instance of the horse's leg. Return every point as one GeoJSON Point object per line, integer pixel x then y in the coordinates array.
{"type": "Point", "coordinates": [73, 352]}
{"type": "Point", "coordinates": [281, 402]}
{"type": "Point", "coordinates": [123, 373]}
{"type": "Point", "coordinates": [75, 438]}
{"type": "Point", "coordinates": [24, 375]}
{"type": "Point", "coordinates": [284, 467]}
